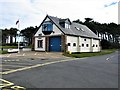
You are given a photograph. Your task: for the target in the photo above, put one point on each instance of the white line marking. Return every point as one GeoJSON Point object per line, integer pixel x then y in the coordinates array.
{"type": "Point", "coordinates": [110, 57]}
{"type": "Point", "coordinates": [23, 54]}
{"type": "Point", "coordinates": [17, 60]}
{"type": "Point", "coordinates": [107, 58]}
{"type": "Point", "coordinates": [35, 53]}
{"type": "Point", "coordinates": [5, 60]}
{"type": "Point", "coordinates": [9, 55]}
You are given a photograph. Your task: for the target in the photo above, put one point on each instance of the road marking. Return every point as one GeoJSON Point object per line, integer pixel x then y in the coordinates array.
{"type": "Point", "coordinates": [5, 83]}
{"type": "Point", "coordinates": [10, 60]}
{"type": "Point", "coordinates": [35, 53]}
{"type": "Point", "coordinates": [9, 55]}
{"type": "Point", "coordinates": [5, 60]}
{"type": "Point", "coordinates": [18, 88]}
{"type": "Point", "coordinates": [38, 65]}
{"type": "Point", "coordinates": [110, 57]}
{"type": "Point", "coordinates": [23, 54]}
{"type": "Point", "coordinates": [107, 58]}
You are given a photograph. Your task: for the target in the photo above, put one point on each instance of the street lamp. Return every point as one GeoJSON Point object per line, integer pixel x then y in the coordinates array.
{"type": "Point", "coordinates": [18, 32]}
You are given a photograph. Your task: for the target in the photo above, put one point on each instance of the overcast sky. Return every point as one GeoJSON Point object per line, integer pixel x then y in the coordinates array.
{"type": "Point", "coordinates": [32, 12]}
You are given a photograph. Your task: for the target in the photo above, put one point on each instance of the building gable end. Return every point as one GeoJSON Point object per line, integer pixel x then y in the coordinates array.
{"type": "Point", "coordinates": [51, 21]}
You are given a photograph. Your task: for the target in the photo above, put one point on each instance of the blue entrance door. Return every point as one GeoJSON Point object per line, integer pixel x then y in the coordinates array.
{"type": "Point", "coordinates": [55, 44]}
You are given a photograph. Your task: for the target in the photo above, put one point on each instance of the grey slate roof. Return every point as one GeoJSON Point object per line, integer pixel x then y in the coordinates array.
{"type": "Point", "coordinates": [85, 31]}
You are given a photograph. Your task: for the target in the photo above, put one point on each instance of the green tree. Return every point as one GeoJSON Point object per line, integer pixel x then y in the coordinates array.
{"type": "Point", "coordinates": [13, 33]}
{"type": "Point", "coordinates": [29, 33]}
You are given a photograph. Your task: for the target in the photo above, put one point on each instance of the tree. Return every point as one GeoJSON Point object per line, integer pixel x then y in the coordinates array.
{"type": "Point", "coordinates": [13, 33]}
{"type": "Point", "coordinates": [29, 33]}
{"type": "Point", "coordinates": [88, 20]}
{"type": "Point", "coordinates": [78, 21]}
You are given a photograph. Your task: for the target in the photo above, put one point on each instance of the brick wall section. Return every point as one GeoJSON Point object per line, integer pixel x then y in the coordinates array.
{"type": "Point", "coordinates": [33, 43]}
{"type": "Point", "coordinates": [63, 42]}
{"type": "Point", "coordinates": [47, 43]}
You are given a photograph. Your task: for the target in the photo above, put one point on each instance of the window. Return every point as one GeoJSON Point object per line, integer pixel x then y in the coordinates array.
{"type": "Point", "coordinates": [63, 25]}
{"type": "Point", "coordinates": [40, 43]}
{"type": "Point", "coordinates": [82, 45]}
{"type": "Point", "coordinates": [47, 26]}
{"type": "Point", "coordinates": [87, 45]}
{"type": "Point", "coordinates": [67, 26]}
{"type": "Point", "coordinates": [84, 39]}
{"type": "Point", "coordinates": [74, 44]}
{"type": "Point", "coordinates": [77, 28]}
{"type": "Point", "coordinates": [96, 45]}
{"type": "Point", "coordinates": [80, 29]}
{"type": "Point", "coordinates": [68, 44]}
{"type": "Point", "coordinates": [93, 45]}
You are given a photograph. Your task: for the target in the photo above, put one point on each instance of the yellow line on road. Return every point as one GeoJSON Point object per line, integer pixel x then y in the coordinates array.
{"type": "Point", "coordinates": [5, 83]}
{"type": "Point", "coordinates": [38, 65]}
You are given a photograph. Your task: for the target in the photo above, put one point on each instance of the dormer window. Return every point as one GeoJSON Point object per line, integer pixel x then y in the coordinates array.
{"type": "Point", "coordinates": [67, 26]}
{"type": "Point", "coordinates": [47, 27]}
{"type": "Point", "coordinates": [65, 23]}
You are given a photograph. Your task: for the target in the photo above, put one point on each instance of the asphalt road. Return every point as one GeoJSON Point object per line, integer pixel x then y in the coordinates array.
{"type": "Point", "coordinates": [92, 72]}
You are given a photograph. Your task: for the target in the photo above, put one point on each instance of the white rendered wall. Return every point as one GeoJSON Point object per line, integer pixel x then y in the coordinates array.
{"type": "Point", "coordinates": [36, 43]}
{"type": "Point", "coordinates": [71, 40]}
{"type": "Point", "coordinates": [85, 48]}
{"type": "Point", "coordinates": [96, 48]}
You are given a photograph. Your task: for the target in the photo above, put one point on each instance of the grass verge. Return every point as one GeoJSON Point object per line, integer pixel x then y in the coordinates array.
{"type": "Point", "coordinates": [81, 55]}
{"type": "Point", "coordinates": [6, 47]}
{"type": "Point", "coordinates": [3, 52]}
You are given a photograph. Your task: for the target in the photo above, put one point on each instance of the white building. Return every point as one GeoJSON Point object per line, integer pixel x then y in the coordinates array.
{"type": "Point", "coordinates": [58, 35]}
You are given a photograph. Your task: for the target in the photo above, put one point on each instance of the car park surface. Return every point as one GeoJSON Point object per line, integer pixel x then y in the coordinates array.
{"type": "Point", "coordinates": [57, 71]}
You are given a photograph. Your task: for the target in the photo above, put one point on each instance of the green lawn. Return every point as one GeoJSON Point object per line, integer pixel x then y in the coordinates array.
{"type": "Point", "coordinates": [103, 52]}
{"type": "Point", "coordinates": [3, 52]}
{"type": "Point", "coordinates": [6, 47]}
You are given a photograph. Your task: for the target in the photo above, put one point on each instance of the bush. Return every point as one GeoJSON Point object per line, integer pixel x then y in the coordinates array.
{"type": "Point", "coordinates": [109, 45]}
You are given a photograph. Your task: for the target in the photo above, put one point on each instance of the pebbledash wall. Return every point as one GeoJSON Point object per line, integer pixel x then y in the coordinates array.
{"type": "Point", "coordinates": [68, 42]}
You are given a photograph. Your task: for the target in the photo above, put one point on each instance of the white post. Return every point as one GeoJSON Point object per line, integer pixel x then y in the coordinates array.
{"type": "Point", "coordinates": [18, 42]}
{"type": "Point", "coordinates": [18, 38]}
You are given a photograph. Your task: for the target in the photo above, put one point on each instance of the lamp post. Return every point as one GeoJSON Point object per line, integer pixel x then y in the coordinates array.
{"type": "Point", "coordinates": [18, 32]}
